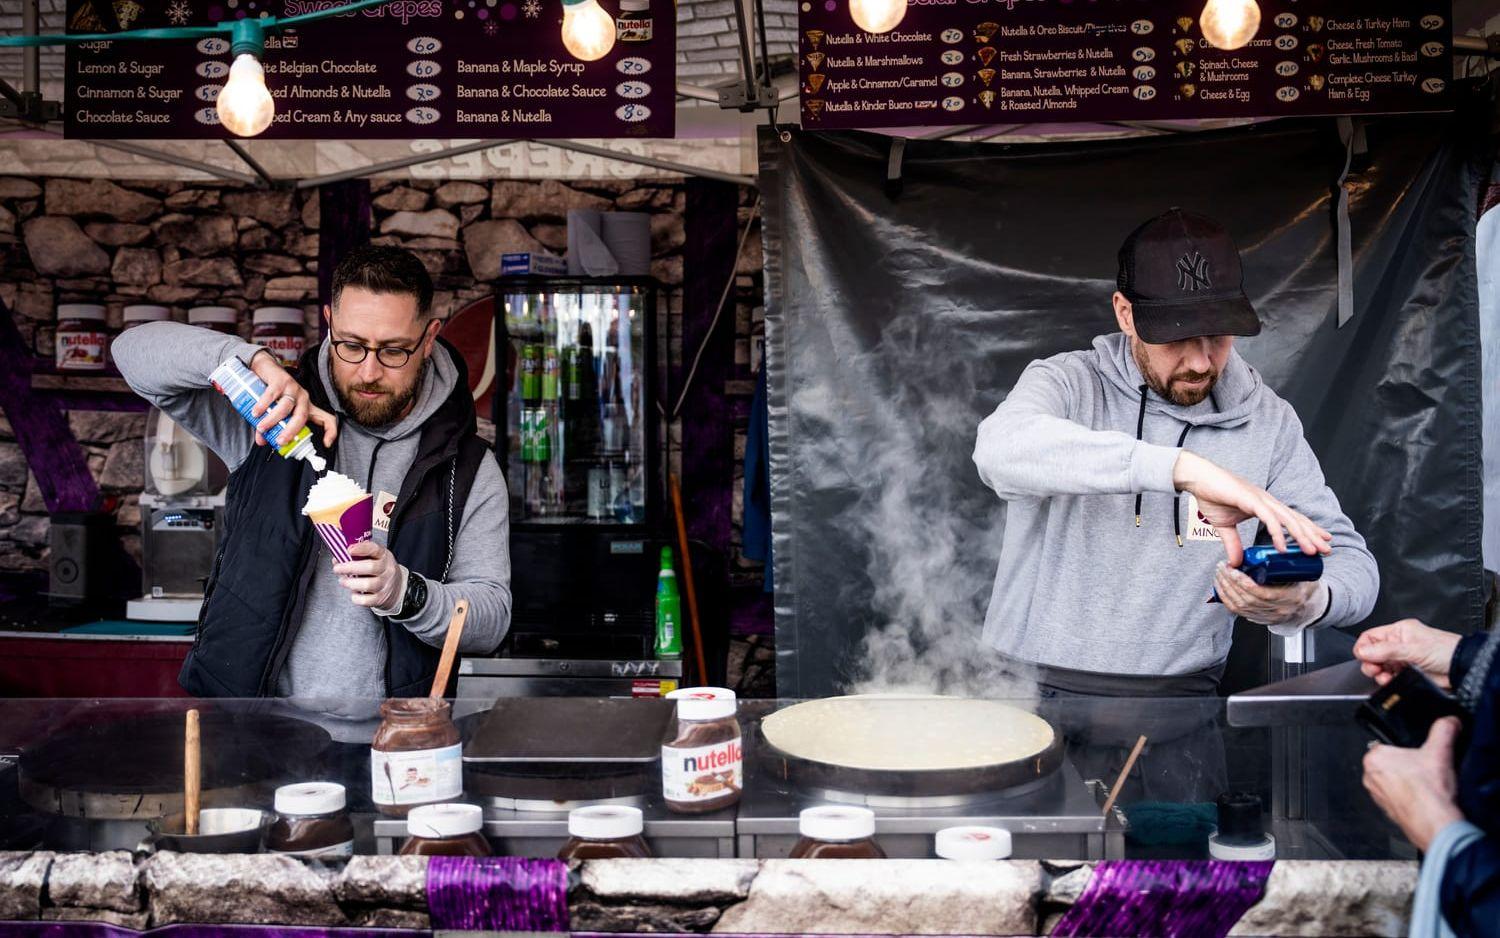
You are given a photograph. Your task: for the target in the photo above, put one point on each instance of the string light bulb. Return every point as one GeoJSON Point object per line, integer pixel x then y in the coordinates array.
{"type": "Point", "coordinates": [588, 32]}
{"type": "Point", "coordinates": [245, 105]}
{"type": "Point", "coordinates": [1229, 24]}
{"type": "Point", "coordinates": [877, 16]}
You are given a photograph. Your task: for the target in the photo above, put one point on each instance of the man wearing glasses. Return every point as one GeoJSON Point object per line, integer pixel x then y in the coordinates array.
{"type": "Point", "coordinates": [391, 404]}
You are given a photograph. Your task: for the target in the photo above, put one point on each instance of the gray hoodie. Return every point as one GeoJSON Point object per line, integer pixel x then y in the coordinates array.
{"type": "Point", "coordinates": [338, 655]}
{"type": "Point", "coordinates": [1079, 584]}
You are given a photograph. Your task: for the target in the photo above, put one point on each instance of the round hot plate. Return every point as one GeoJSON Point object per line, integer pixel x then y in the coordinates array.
{"type": "Point", "coordinates": [909, 746]}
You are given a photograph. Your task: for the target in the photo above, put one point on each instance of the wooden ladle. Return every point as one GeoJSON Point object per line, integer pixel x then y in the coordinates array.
{"type": "Point", "coordinates": [450, 649]}
{"type": "Point", "coordinates": [192, 773]}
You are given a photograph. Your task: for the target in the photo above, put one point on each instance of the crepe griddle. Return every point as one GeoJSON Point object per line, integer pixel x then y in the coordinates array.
{"type": "Point", "coordinates": [994, 778]}
{"type": "Point", "coordinates": [566, 733]}
{"type": "Point", "coordinates": [123, 765]}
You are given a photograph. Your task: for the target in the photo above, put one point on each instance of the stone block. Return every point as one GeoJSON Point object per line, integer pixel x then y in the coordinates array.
{"type": "Point", "coordinates": [197, 234]}
{"type": "Point", "coordinates": [124, 467]}
{"type": "Point", "coordinates": [433, 223]}
{"type": "Point", "coordinates": [666, 880]}
{"type": "Point", "coordinates": [303, 245]}
{"type": "Point", "coordinates": [390, 881]}
{"type": "Point", "coordinates": [269, 206]}
{"type": "Point", "coordinates": [402, 199]}
{"type": "Point", "coordinates": [640, 918]}
{"type": "Point", "coordinates": [22, 877]}
{"type": "Point", "coordinates": [1315, 897]}
{"type": "Point", "coordinates": [194, 198]}
{"type": "Point", "coordinates": [98, 197]}
{"type": "Point", "coordinates": [260, 239]}
{"type": "Point", "coordinates": [13, 469]}
{"type": "Point", "coordinates": [545, 199]}
{"type": "Point", "coordinates": [273, 264]}
{"type": "Point", "coordinates": [106, 426]}
{"type": "Point", "coordinates": [552, 236]}
{"type": "Point", "coordinates": [116, 233]}
{"type": "Point", "coordinates": [95, 881]}
{"type": "Point", "coordinates": [667, 234]}
{"type": "Point", "coordinates": [203, 271]}
{"type": "Point", "coordinates": [139, 267]}
{"type": "Point", "coordinates": [460, 193]}
{"type": "Point", "coordinates": [486, 241]}
{"type": "Point", "coordinates": [171, 295]}
{"type": "Point", "coordinates": [312, 211]}
{"type": "Point", "coordinates": [292, 289]}
{"type": "Point", "coordinates": [911, 897]}
{"type": "Point", "coordinates": [14, 187]}
{"type": "Point", "coordinates": [258, 889]}
{"type": "Point", "coordinates": [59, 248]}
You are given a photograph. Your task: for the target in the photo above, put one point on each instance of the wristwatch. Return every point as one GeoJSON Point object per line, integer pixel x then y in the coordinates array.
{"type": "Point", "coordinates": [416, 595]}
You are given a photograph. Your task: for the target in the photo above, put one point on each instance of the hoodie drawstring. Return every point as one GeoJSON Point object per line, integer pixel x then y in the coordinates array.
{"type": "Point", "coordinates": [1140, 427]}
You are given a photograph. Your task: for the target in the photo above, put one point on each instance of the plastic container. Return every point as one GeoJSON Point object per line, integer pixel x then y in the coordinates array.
{"type": "Point", "coordinates": [282, 331]}
{"type": "Point", "coordinates": [236, 381]}
{"type": "Point", "coordinates": [82, 337]}
{"type": "Point", "coordinates": [446, 830]}
{"type": "Point", "coordinates": [702, 759]}
{"type": "Point", "coordinates": [311, 821]}
{"type": "Point", "coordinates": [605, 832]}
{"type": "Point", "coordinates": [141, 314]}
{"type": "Point", "coordinates": [973, 843]}
{"type": "Point", "coordinates": [1241, 833]}
{"type": "Point", "coordinates": [837, 832]}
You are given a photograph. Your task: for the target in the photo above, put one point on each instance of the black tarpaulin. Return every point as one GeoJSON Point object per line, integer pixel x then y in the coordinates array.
{"type": "Point", "coordinates": [899, 315]}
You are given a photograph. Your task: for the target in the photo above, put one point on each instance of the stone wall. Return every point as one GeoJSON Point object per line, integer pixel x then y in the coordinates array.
{"type": "Point", "coordinates": [184, 244]}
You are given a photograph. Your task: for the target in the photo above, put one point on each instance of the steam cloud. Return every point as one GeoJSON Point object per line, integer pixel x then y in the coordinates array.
{"type": "Point", "coordinates": [928, 525]}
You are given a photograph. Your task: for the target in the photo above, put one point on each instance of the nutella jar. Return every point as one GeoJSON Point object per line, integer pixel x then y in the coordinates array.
{"type": "Point", "coordinates": [141, 314]}
{"type": "Point", "coordinates": [82, 337]}
{"type": "Point", "coordinates": [837, 832]}
{"type": "Point", "coordinates": [605, 832]}
{"type": "Point", "coordinates": [223, 319]}
{"type": "Point", "coordinates": [311, 822]}
{"type": "Point", "coordinates": [702, 761]}
{"type": "Point", "coordinates": [416, 757]}
{"type": "Point", "coordinates": [446, 830]}
{"type": "Point", "coordinates": [282, 331]}
{"type": "Point", "coordinates": [973, 843]}
{"type": "Point", "coordinates": [634, 22]}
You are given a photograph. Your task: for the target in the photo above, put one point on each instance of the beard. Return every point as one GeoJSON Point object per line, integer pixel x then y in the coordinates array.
{"type": "Point", "coordinates": [378, 412]}
{"type": "Point", "coordinates": [1172, 388]}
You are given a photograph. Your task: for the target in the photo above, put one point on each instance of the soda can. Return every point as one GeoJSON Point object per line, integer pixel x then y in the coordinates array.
{"type": "Point", "coordinates": [531, 372]}
{"type": "Point", "coordinates": [541, 429]}
{"type": "Point", "coordinates": [571, 377]}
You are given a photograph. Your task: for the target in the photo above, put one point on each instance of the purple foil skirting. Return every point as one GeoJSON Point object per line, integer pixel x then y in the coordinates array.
{"type": "Point", "coordinates": [1166, 898]}
{"type": "Point", "coordinates": [100, 930]}
{"type": "Point", "coordinates": [498, 894]}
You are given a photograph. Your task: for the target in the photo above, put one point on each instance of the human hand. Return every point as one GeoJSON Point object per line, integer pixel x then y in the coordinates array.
{"type": "Point", "coordinates": [285, 398]}
{"type": "Point", "coordinates": [1417, 788]}
{"type": "Point", "coordinates": [1384, 650]}
{"type": "Point", "coordinates": [1225, 500]}
{"type": "Point", "coordinates": [1291, 604]}
{"type": "Point", "coordinates": [374, 578]}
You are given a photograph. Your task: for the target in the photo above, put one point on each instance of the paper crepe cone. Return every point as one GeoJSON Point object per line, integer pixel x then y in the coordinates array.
{"type": "Point", "coordinates": [345, 525]}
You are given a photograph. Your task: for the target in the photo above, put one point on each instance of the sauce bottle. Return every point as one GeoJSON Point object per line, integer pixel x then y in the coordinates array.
{"type": "Point", "coordinates": [702, 760]}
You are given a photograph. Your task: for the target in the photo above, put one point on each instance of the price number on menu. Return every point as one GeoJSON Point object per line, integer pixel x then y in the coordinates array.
{"type": "Point", "coordinates": [634, 65]}
{"type": "Point", "coordinates": [1286, 69]}
{"type": "Point", "coordinates": [633, 113]}
{"type": "Point", "coordinates": [632, 89]}
{"type": "Point", "coordinates": [212, 46]}
{"type": "Point", "coordinates": [209, 93]}
{"type": "Point", "coordinates": [1143, 54]}
{"type": "Point", "coordinates": [1144, 93]}
{"type": "Point", "coordinates": [423, 92]}
{"type": "Point", "coordinates": [1285, 20]}
{"type": "Point", "coordinates": [1144, 72]}
{"type": "Point", "coordinates": [1286, 43]}
{"type": "Point", "coordinates": [1287, 94]}
{"type": "Point", "coordinates": [1142, 27]}
{"type": "Point", "coordinates": [423, 68]}
{"type": "Point", "coordinates": [424, 45]}
{"type": "Point", "coordinates": [212, 69]}
{"type": "Point", "coordinates": [422, 115]}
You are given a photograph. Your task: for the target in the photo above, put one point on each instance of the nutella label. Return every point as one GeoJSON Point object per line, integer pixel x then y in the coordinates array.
{"type": "Point", "coordinates": [286, 348]}
{"type": "Point", "coordinates": [702, 773]}
{"type": "Point", "coordinates": [417, 777]}
{"type": "Point", "coordinates": [341, 851]}
{"type": "Point", "coordinates": [81, 351]}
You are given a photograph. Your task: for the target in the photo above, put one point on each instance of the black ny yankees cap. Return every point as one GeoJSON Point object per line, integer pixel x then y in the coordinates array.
{"type": "Point", "coordinates": [1181, 273]}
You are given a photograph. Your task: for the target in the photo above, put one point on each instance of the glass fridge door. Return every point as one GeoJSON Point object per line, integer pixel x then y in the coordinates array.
{"type": "Point", "coordinates": [576, 407]}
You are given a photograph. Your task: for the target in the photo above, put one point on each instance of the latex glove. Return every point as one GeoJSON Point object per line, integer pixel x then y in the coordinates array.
{"type": "Point", "coordinates": [1383, 651]}
{"type": "Point", "coordinates": [1225, 500]}
{"type": "Point", "coordinates": [286, 398]}
{"type": "Point", "coordinates": [374, 578]}
{"type": "Point", "coordinates": [1417, 788]}
{"type": "Point", "coordinates": [1291, 604]}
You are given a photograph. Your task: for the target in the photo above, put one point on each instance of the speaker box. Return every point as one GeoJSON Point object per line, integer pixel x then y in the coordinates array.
{"type": "Point", "coordinates": [82, 545]}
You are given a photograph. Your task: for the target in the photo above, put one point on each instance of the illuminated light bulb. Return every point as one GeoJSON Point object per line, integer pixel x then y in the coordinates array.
{"type": "Point", "coordinates": [877, 16]}
{"type": "Point", "coordinates": [1229, 24]}
{"type": "Point", "coordinates": [245, 106]}
{"type": "Point", "coordinates": [587, 31]}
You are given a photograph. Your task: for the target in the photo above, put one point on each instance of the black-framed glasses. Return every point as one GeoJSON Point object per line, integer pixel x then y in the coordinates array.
{"type": "Point", "coordinates": [391, 356]}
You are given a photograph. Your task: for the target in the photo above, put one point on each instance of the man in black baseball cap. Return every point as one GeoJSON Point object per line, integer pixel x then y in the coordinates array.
{"type": "Point", "coordinates": [1134, 473]}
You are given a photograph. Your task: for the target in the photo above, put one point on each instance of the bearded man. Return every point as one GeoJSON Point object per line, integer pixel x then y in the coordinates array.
{"type": "Point", "coordinates": [392, 405]}
{"type": "Point", "coordinates": [1134, 473]}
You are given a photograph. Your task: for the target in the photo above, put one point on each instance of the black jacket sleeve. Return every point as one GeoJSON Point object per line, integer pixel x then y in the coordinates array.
{"type": "Point", "coordinates": [1471, 880]}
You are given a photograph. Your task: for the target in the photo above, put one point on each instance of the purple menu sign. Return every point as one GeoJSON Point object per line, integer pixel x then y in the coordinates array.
{"type": "Point", "coordinates": [408, 68]}
{"type": "Point", "coordinates": [1019, 61]}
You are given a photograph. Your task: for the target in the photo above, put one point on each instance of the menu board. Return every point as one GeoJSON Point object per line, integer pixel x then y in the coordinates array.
{"type": "Point", "coordinates": [409, 68]}
{"type": "Point", "coordinates": [1023, 61]}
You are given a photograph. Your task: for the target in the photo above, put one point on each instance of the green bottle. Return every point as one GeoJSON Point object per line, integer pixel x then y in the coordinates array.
{"type": "Point", "coordinates": [668, 610]}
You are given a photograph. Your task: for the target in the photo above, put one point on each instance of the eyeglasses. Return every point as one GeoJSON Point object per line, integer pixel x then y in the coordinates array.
{"type": "Point", "coordinates": [391, 356]}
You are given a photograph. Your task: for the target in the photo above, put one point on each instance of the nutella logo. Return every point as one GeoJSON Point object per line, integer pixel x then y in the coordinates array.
{"type": "Point", "coordinates": [719, 757]}
{"type": "Point", "coordinates": [70, 340]}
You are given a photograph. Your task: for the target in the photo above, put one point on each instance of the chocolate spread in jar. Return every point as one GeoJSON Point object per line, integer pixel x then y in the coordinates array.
{"type": "Point", "coordinates": [311, 822]}
{"type": "Point", "coordinates": [446, 830]}
{"type": "Point", "coordinates": [605, 832]}
{"type": "Point", "coordinates": [702, 761]}
{"type": "Point", "coordinates": [837, 832]}
{"type": "Point", "coordinates": [416, 757]}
